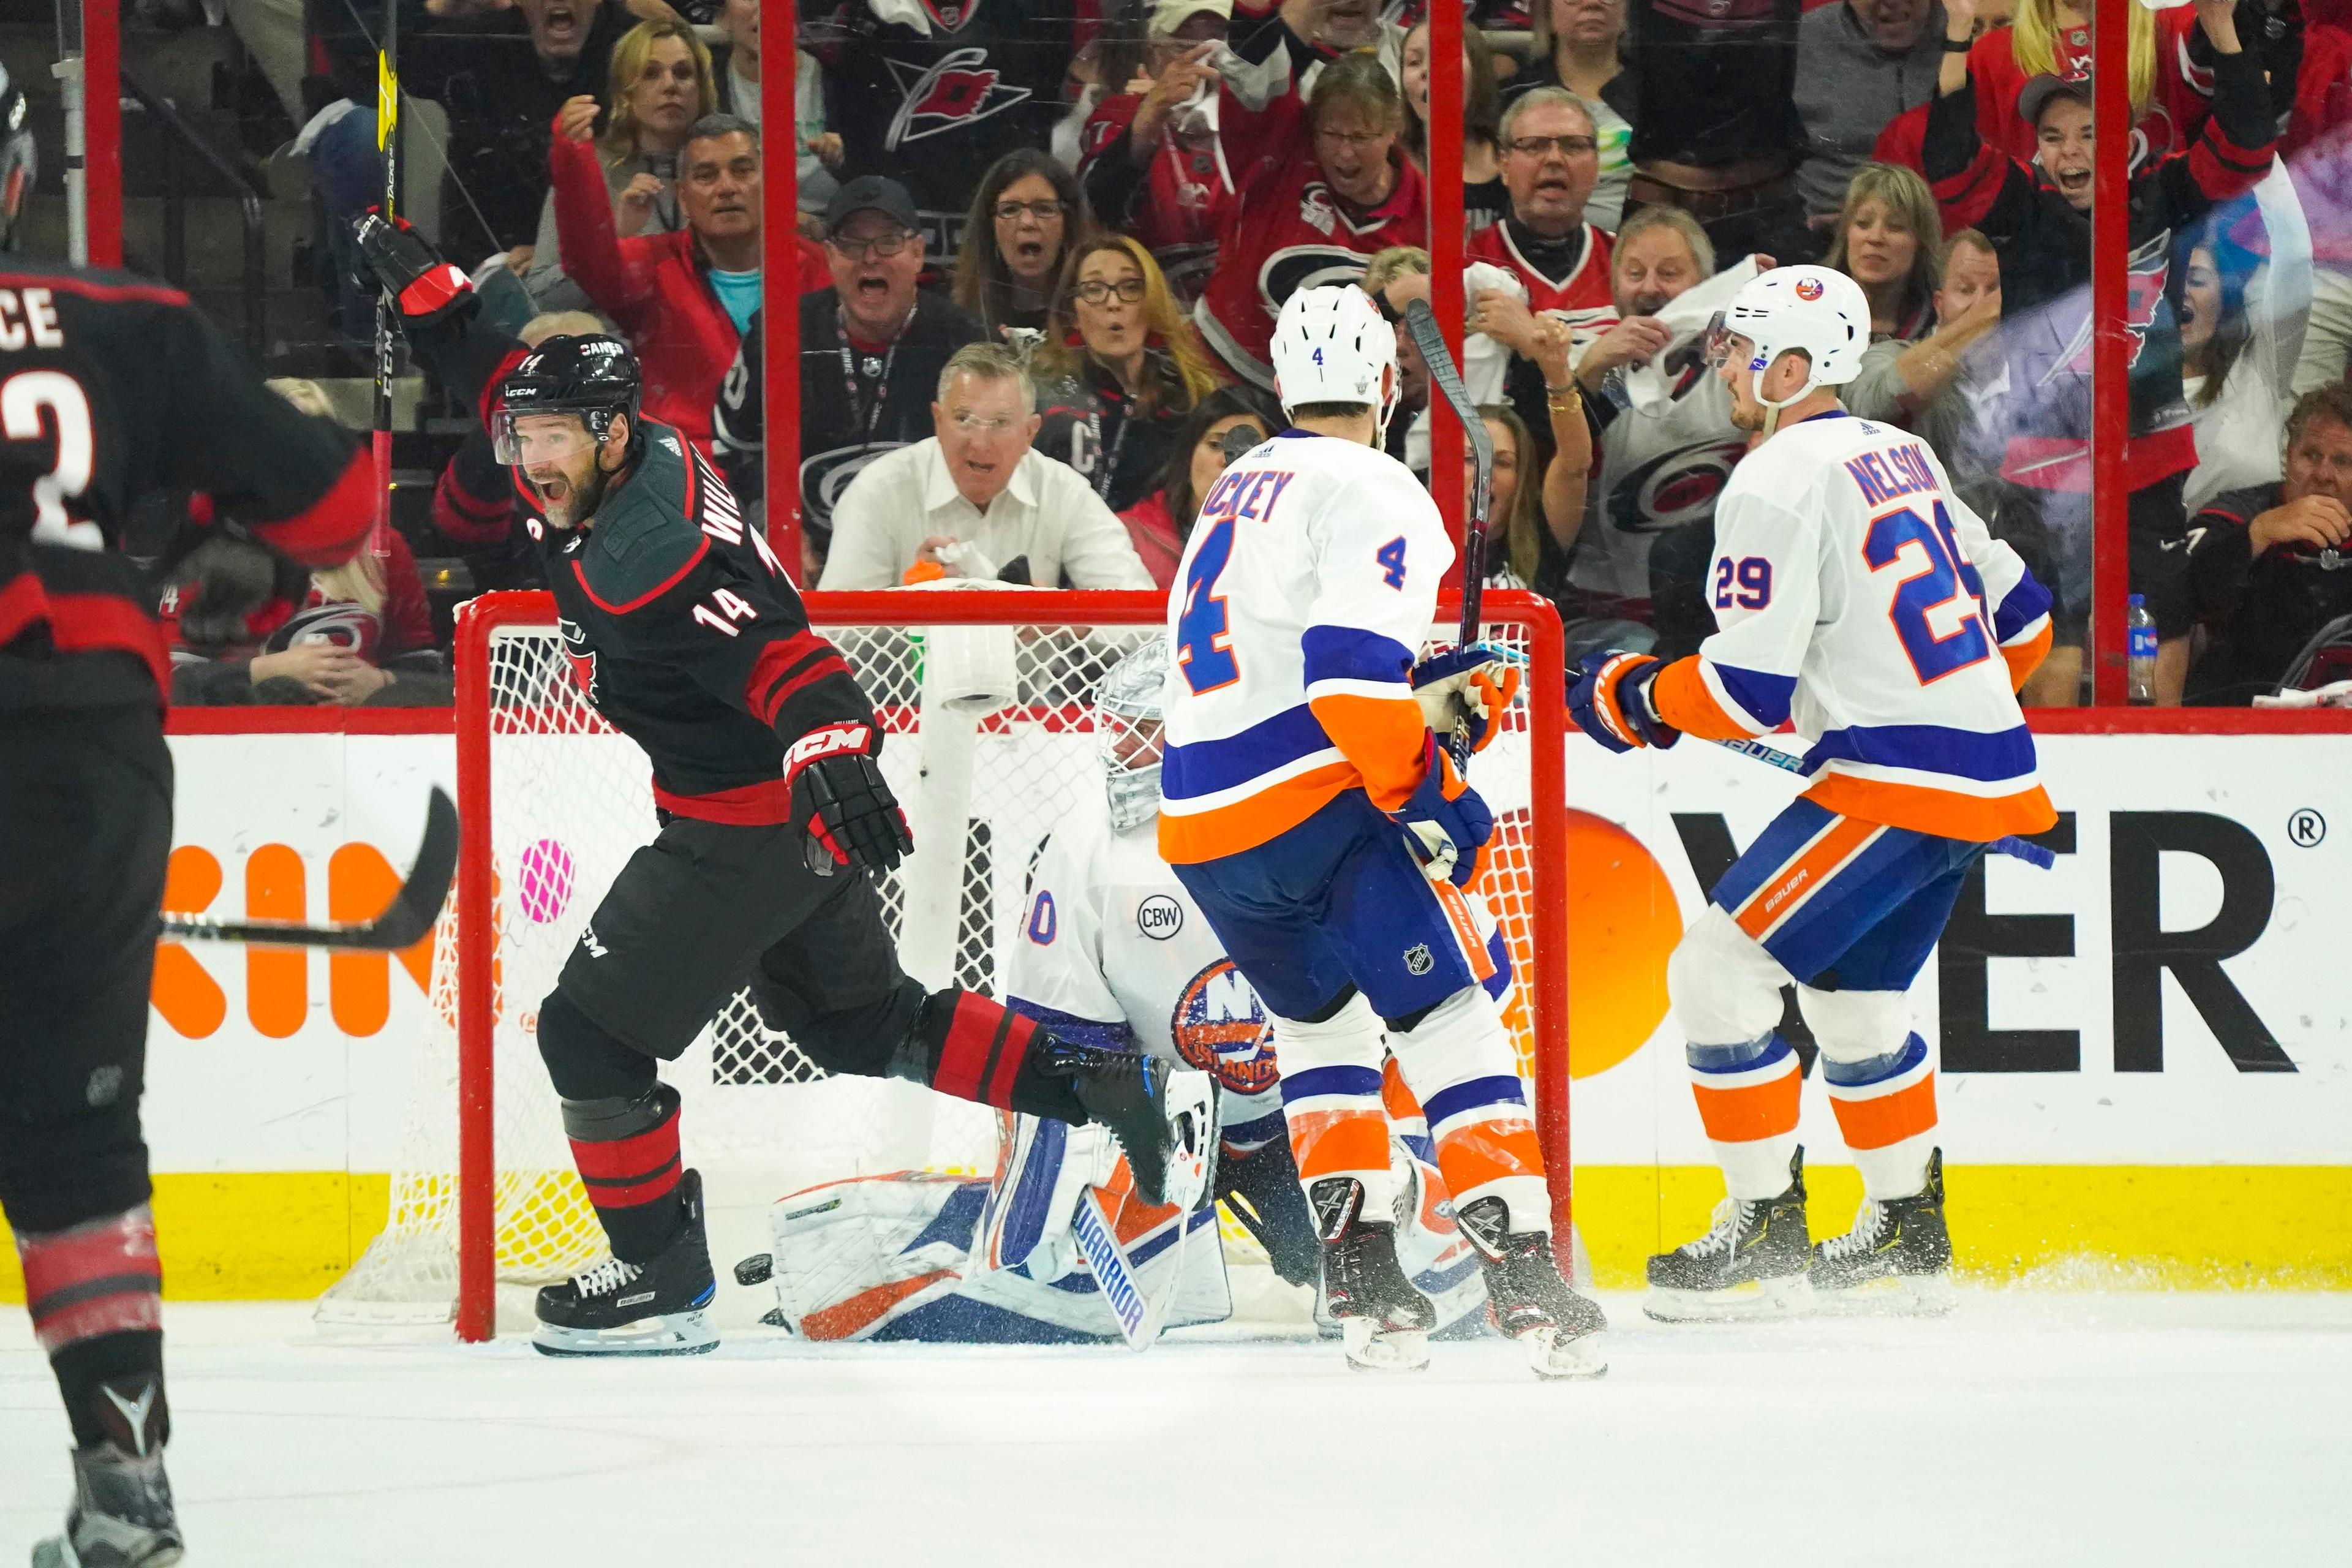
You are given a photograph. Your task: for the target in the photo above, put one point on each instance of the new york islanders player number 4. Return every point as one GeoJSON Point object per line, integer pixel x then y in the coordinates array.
{"type": "Point", "coordinates": [1298, 769]}
{"type": "Point", "coordinates": [1857, 596]}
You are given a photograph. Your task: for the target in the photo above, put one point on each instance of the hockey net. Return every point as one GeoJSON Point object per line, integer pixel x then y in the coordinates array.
{"type": "Point", "coordinates": [986, 700]}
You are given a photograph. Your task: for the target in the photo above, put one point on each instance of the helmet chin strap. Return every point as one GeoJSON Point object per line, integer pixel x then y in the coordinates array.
{"type": "Point", "coordinates": [1773, 406]}
{"type": "Point", "coordinates": [1392, 389]}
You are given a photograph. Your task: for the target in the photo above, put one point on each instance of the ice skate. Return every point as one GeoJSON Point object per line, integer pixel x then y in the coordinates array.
{"type": "Point", "coordinates": [1383, 1321]}
{"type": "Point", "coordinates": [1164, 1117]}
{"type": "Point", "coordinates": [1897, 1259]}
{"type": "Point", "coordinates": [121, 1515]}
{"type": "Point", "coordinates": [659, 1307]}
{"type": "Point", "coordinates": [1529, 1299]}
{"type": "Point", "coordinates": [1752, 1263]}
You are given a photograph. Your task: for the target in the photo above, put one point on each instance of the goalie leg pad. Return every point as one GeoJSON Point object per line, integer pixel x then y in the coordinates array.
{"type": "Point", "coordinates": [1331, 1099]}
{"type": "Point", "coordinates": [1459, 1063]}
{"type": "Point", "coordinates": [852, 1256]}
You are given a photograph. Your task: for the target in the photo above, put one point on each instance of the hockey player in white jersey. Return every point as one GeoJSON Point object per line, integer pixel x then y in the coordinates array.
{"type": "Point", "coordinates": [1299, 768]}
{"type": "Point", "coordinates": [1858, 598]}
{"type": "Point", "coordinates": [1111, 951]}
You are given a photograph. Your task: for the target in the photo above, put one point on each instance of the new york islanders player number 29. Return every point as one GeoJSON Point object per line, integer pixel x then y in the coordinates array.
{"type": "Point", "coordinates": [1856, 595]}
{"type": "Point", "coordinates": [1299, 768]}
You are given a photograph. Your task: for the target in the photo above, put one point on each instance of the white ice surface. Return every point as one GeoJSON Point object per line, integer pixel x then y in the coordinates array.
{"type": "Point", "coordinates": [2065, 1429]}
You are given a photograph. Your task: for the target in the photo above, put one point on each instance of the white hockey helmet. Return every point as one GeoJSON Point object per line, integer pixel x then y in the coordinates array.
{"type": "Point", "coordinates": [1331, 345]}
{"type": "Point", "coordinates": [1813, 310]}
{"type": "Point", "coordinates": [1128, 707]}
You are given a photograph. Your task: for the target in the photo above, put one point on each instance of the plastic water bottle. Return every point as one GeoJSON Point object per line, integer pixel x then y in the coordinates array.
{"type": "Point", "coordinates": [2139, 655]}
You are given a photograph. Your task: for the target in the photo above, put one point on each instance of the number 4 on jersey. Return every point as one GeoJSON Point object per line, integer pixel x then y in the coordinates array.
{"type": "Point", "coordinates": [1204, 640]}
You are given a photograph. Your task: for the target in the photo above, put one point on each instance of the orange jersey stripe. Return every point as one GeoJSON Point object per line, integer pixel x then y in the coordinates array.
{"type": "Point", "coordinates": [1795, 881]}
{"type": "Point", "coordinates": [1470, 1157]}
{"type": "Point", "coordinates": [1751, 1112]}
{"type": "Point", "coordinates": [1339, 1143]}
{"type": "Point", "coordinates": [1246, 824]}
{"type": "Point", "coordinates": [1466, 931]}
{"type": "Point", "coordinates": [1942, 812]}
{"type": "Point", "coordinates": [1385, 737]}
{"type": "Point", "coordinates": [1396, 1099]}
{"type": "Point", "coordinates": [1682, 700]}
{"type": "Point", "coordinates": [2026, 656]}
{"type": "Point", "coordinates": [1890, 1118]}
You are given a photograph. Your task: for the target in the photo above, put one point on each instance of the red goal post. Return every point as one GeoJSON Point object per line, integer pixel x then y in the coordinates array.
{"type": "Point", "coordinates": [1526, 879]}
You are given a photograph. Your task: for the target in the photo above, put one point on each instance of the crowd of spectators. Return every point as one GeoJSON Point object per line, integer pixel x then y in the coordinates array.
{"type": "Point", "coordinates": [1042, 243]}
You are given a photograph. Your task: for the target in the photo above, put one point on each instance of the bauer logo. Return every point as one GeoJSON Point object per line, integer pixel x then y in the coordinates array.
{"type": "Point", "coordinates": [1160, 917]}
{"type": "Point", "coordinates": [1220, 1027]}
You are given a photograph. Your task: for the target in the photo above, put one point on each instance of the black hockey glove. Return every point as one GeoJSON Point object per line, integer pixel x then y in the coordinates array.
{"type": "Point", "coordinates": [842, 802]}
{"type": "Point", "coordinates": [426, 288]}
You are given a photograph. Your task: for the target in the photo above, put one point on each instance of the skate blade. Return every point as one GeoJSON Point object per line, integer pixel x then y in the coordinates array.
{"type": "Point", "coordinates": [1757, 1300]}
{"type": "Point", "coordinates": [1557, 1357]}
{"type": "Point", "coordinates": [678, 1333]}
{"type": "Point", "coordinates": [1896, 1296]}
{"type": "Point", "coordinates": [1371, 1348]}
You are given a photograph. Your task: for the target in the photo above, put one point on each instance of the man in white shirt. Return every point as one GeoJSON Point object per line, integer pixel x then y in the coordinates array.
{"type": "Point", "coordinates": [977, 483]}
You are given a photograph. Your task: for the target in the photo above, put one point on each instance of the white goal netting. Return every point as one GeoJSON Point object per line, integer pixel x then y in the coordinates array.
{"type": "Point", "coordinates": [991, 740]}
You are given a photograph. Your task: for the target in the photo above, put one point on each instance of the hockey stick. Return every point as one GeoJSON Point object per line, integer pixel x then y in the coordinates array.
{"type": "Point", "coordinates": [1420, 323]}
{"type": "Point", "coordinates": [2018, 848]}
{"type": "Point", "coordinates": [404, 920]}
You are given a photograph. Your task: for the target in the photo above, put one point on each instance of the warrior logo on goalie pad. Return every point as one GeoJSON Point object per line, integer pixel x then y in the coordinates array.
{"type": "Point", "coordinates": [1220, 1027]}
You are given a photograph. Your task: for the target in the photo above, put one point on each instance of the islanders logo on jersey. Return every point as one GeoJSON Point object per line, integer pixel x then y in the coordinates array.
{"type": "Point", "coordinates": [1220, 1026]}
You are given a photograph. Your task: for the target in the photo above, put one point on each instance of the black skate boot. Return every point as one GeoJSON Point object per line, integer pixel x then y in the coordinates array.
{"type": "Point", "coordinates": [1164, 1117]}
{"type": "Point", "coordinates": [1897, 1258]}
{"type": "Point", "coordinates": [121, 1515]}
{"type": "Point", "coordinates": [1750, 1264]}
{"type": "Point", "coordinates": [1528, 1298]}
{"type": "Point", "coordinates": [1385, 1321]}
{"type": "Point", "coordinates": [626, 1309]}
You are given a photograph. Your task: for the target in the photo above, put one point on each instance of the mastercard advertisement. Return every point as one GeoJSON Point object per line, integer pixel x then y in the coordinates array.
{"type": "Point", "coordinates": [2145, 1052]}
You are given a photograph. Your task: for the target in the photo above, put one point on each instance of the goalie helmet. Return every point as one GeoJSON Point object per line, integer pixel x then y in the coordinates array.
{"type": "Point", "coordinates": [1128, 707]}
{"type": "Point", "coordinates": [1331, 345]}
{"type": "Point", "coordinates": [592, 375]}
{"type": "Point", "coordinates": [1811, 310]}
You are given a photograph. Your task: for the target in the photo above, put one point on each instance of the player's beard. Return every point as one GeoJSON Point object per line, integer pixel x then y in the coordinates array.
{"type": "Point", "coordinates": [579, 500]}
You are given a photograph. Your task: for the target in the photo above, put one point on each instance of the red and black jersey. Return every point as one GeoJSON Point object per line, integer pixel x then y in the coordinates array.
{"type": "Point", "coordinates": [934, 109]}
{"type": "Point", "coordinates": [1177, 205]}
{"type": "Point", "coordinates": [1288, 230]}
{"type": "Point", "coordinates": [1569, 278]}
{"type": "Point", "coordinates": [680, 623]}
{"type": "Point", "coordinates": [113, 388]}
{"type": "Point", "coordinates": [2044, 246]}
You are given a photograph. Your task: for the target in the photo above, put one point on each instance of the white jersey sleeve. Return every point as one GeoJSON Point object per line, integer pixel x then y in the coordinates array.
{"type": "Point", "coordinates": [1766, 585]}
{"type": "Point", "coordinates": [1055, 972]}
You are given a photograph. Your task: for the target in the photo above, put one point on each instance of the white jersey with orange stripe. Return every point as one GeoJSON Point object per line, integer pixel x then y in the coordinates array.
{"type": "Point", "coordinates": [1306, 588]}
{"type": "Point", "coordinates": [1860, 600]}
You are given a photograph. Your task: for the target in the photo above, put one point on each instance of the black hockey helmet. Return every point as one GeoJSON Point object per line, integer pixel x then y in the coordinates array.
{"type": "Point", "coordinates": [592, 375]}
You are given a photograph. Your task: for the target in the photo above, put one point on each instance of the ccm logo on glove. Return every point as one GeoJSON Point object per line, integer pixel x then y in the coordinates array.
{"type": "Point", "coordinates": [830, 742]}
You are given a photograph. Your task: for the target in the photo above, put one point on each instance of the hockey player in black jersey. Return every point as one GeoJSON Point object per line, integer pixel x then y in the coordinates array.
{"type": "Point", "coordinates": [112, 388]}
{"type": "Point", "coordinates": [690, 640]}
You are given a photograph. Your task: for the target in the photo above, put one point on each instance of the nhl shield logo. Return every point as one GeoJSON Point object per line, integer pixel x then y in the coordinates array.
{"type": "Point", "coordinates": [1417, 960]}
{"type": "Point", "coordinates": [1220, 1026]}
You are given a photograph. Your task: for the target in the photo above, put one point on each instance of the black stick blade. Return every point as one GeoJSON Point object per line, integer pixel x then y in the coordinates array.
{"type": "Point", "coordinates": [403, 924]}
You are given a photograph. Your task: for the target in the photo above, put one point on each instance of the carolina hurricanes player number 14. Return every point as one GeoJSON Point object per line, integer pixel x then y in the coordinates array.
{"type": "Point", "coordinates": [1856, 595]}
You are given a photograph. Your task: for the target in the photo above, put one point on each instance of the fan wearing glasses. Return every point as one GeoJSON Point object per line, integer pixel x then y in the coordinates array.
{"type": "Point", "coordinates": [1550, 163]}
{"type": "Point", "coordinates": [1026, 217]}
{"type": "Point", "coordinates": [1117, 371]}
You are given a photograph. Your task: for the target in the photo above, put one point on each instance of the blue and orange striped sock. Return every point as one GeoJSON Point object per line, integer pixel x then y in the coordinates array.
{"type": "Point", "coordinates": [1747, 1098]}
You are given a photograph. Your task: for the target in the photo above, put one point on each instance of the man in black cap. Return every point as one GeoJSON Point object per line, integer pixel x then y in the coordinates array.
{"type": "Point", "coordinates": [872, 347]}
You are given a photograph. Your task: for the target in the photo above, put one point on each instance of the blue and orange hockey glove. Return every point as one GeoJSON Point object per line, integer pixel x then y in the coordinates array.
{"type": "Point", "coordinates": [1474, 685]}
{"type": "Point", "coordinates": [1611, 702]}
{"type": "Point", "coordinates": [1446, 821]}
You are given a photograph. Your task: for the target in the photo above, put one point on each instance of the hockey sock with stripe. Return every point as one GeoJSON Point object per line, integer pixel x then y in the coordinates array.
{"type": "Point", "coordinates": [1747, 1098]}
{"type": "Point", "coordinates": [1331, 1101]}
{"type": "Point", "coordinates": [979, 1050]}
{"type": "Point", "coordinates": [95, 1292]}
{"type": "Point", "coordinates": [626, 1150]}
{"type": "Point", "coordinates": [1460, 1064]}
{"type": "Point", "coordinates": [1885, 1106]}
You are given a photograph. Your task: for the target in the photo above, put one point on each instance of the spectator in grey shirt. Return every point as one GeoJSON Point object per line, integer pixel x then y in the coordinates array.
{"type": "Point", "coordinates": [1860, 63]}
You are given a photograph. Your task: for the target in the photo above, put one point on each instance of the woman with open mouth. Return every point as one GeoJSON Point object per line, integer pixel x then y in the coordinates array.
{"type": "Point", "coordinates": [1118, 371]}
{"type": "Point", "coordinates": [1026, 217]}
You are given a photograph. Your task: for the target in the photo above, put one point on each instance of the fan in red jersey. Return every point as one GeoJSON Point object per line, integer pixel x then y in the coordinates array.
{"type": "Point", "coordinates": [1153, 162]}
{"type": "Point", "coordinates": [1550, 161]}
{"type": "Point", "coordinates": [1324, 187]}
